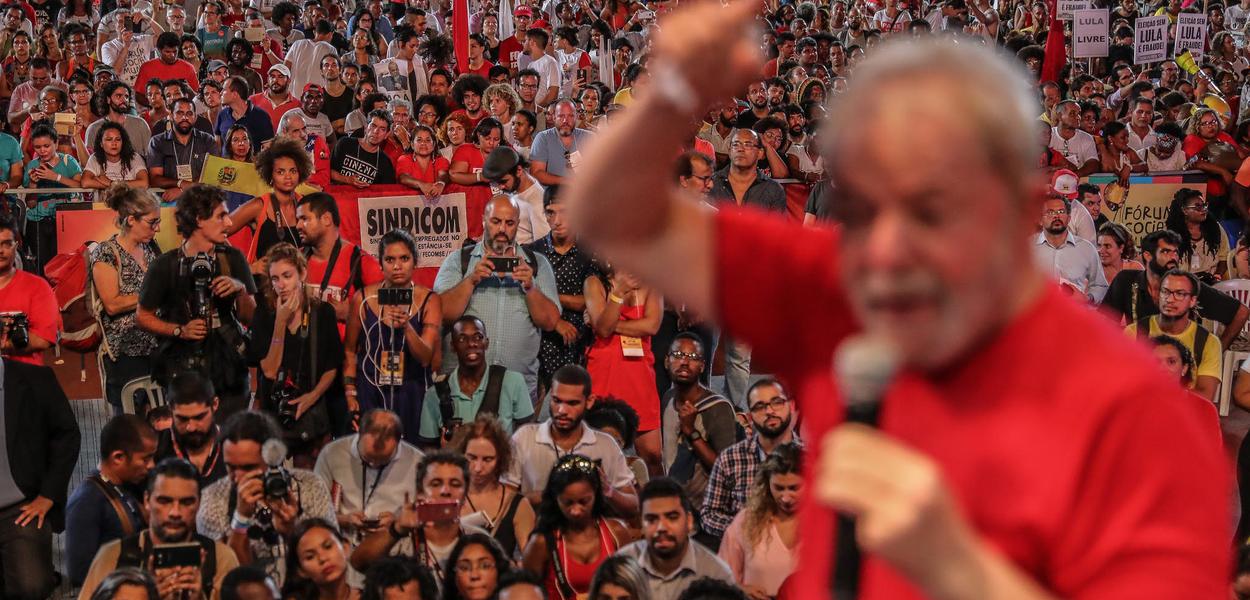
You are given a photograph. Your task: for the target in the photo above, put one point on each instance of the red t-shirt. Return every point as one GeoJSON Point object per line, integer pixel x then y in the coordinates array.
{"type": "Point", "coordinates": [31, 294]}
{"type": "Point", "coordinates": [483, 70]}
{"type": "Point", "coordinates": [155, 68]}
{"type": "Point", "coordinates": [1067, 448]}
{"type": "Point", "coordinates": [321, 164]}
{"type": "Point", "coordinates": [1194, 144]}
{"type": "Point", "coordinates": [407, 165]}
{"type": "Point", "coordinates": [482, 114]}
{"type": "Point", "coordinates": [340, 275]}
{"type": "Point", "coordinates": [510, 51]}
{"type": "Point", "coordinates": [469, 153]}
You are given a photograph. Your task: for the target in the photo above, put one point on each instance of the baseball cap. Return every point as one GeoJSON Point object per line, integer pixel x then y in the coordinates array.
{"type": "Point", "coordinates": [541, 24]}
{"type": "Point", "coordinates": [501, 161]}
{"type": "Point", "coordinates": [312, 86]}
{"type": "Point", "coordinates": [281, 68]}
{"type": "Point", "coordinates": [522, 11]}
{"type": "Point", "coordinates": [1064, 183]}
{"type": "Point", "coordinates": [215, 64]}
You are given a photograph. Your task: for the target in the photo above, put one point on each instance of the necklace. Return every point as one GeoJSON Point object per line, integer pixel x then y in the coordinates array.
{"type": "Point", "coordinates": [491, 522]}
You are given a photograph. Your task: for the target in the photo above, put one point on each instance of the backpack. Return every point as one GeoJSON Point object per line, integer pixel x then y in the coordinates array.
{"type": "Point", "coordinates": [1200, 339]}
{"type": "Point", "coordinates": [69, 275]}
{"type": "Point", "coordinates": [490, 403]}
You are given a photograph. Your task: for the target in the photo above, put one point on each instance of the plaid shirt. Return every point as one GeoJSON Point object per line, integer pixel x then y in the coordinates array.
{"type": "Point", "coordinates": [730, 483]}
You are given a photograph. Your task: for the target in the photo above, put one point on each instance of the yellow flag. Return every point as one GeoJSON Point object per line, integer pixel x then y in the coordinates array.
{"type": "Point", "coordinates": [239, 176]}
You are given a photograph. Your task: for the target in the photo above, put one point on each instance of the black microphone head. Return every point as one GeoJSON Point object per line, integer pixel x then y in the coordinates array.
{"type": "Point", "coordinates": [864, 366]}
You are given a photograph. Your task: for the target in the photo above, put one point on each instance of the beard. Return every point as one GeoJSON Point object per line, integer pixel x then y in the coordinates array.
{"type": "Point", "coordinates": [726, 121]}
{"type": "Point", "coordinates": [773, 433]}
{"type": "Point", "coordinates": [183, 128]}
{"type": "Point", "coordinates": [797, 131]}
{"type": "Point", "coordinates": [1160, 270]}
{"type": "Point", "coordinates": [1056, 227]}
{"type": "Point", "coordinates": [194, 440]}
{"type": "Point", "coordinates": [499, 243]}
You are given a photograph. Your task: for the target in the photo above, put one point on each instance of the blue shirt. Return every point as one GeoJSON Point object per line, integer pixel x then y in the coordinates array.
{"type": "Point", "coordinates": [549, 150]}
{"type": "Point", "coordinates": [500, 303]}
{"type": "Point", "coordinates": [66, 166]}
{"type": "Point", "coordinates": [90, 522]}
{"type": "Point", "coordinates": [1076, 261]}
{"type": "Point", "coordinates": [255, 119]}
{"type": "Point", "coordinates": [514, 403]}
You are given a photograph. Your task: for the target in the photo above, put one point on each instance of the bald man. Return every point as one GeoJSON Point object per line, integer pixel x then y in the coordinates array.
{"type": "Point", "coordinates": [510, 288]}
{"type": "Point", "coordinates": [1026, 449]}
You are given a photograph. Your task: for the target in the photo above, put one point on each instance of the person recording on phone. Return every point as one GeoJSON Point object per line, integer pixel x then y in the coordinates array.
{"type": "Point", "coordinates": [428, 527]}
{"type": "Point", "coordinates": [29, 319]}
{"type": "Point", "coordinates": [296, 345]}
{"type": "Point", "coordinates": [392, 337]}
{"type": "Point", "coordinates": [184, 563]}
{"type": "Point", "coordinates": [257, 505]}
{"type": "Point", "coordinates": [196, 298]}
{"type": "Point", "coordinates": [498, 277]}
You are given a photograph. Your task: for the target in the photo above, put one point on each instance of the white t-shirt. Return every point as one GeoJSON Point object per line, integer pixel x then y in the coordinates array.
{"type": "Point", "coordinates": [548, 73]}
{"type": "Point", "coordinates": [882, 22]}
{"type": "Point", "coordinates": [1235, 17]}
{"type": "Point", "coordinates": [568, 69]}
{"type": "Point", "coordinates": [535, 225]}
{"type": "Point", "coordinates": [141, 47]}
{"type": "Point", "coordinates": [304, 58]}
{"type": "Point", "coordinates": [1154, 164]}
{"type": "Point", "coordinates": [320, 125]}
{"type": "Point", "coordinates": [1079, 150]}
{"type": "Point", "coordinates": [116, 171]}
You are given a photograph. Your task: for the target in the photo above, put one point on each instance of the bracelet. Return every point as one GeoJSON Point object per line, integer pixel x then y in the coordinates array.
{"type": "Point", "coordinates": [240, 523]}
{"type": "Point", "coordinates": [349, 380]}
{"type": "Point", "coordinates": [614, 298]}
{"type": "Point", "coordinates": [394, 531]}
{"type": "Point", "coordinates": [277, 340]}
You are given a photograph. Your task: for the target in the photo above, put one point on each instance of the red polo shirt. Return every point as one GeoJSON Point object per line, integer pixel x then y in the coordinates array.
{"type": "Point", "coordinates": [1067, 447]}
{"type": "Point", "coordinates": [275, 112]}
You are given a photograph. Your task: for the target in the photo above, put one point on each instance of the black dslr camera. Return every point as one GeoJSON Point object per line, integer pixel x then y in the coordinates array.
{"type": "Point", "coordinates": [17, 327]}
{"type": "Point", "coordinates": [284, 391]}
{"type": "Point", "coordinates": [199, 271]}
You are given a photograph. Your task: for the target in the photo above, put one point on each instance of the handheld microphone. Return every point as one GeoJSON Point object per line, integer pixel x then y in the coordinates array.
{"type": "Point", "coordinates": [273, 452]}
{"type": "Point", "coordinates": [864, 366]}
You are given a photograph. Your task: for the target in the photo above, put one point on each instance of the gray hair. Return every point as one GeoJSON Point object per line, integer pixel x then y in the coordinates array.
{"type": "Point", "coordinates": [399, 102]}
{"type": "Point", "coordinates": [285, 121]}
{"type": "Point", "coordinates": [1000, 102]}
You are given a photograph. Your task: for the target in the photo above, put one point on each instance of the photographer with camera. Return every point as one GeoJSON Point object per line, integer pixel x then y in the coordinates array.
{"type": "Point", "coordinates": [428, 528]}
{"type": "Point", "coordinates": [29, 319]}
{"type": "Point", "coordinates": [185, 564]}
{"type": "Point", "coordinates": [257, 506]}
{"type": "Point", "coordinates": [297, 348]}
{"type": "Point", "coordinates": [194, 296]}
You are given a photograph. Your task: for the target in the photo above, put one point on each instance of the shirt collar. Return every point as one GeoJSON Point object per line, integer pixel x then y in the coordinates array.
{"type": "Point", "coordinates": [543, 436]}
{"type": "Point", "coordinates": [688, 563]}
{"type": "Point", "coordinates": [1067, 239]}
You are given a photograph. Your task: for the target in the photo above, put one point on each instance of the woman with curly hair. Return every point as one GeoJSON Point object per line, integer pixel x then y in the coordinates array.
{"type": "Point", "coordinates": [1204, 246]}
{"type": "Point", "coordinates": [114, 160]}
{"type": "Point", "coordinates": [498, 508]}
{"type": "Point", "coordinates": [572, 528]}
{"type": "Point", "coordinates": [761, 545]}
{"type": "Point", "coordinates": [283, 166]}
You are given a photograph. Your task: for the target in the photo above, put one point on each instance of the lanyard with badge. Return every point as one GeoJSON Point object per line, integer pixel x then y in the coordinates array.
{"type": "Point", "coordinates": [183, 169]}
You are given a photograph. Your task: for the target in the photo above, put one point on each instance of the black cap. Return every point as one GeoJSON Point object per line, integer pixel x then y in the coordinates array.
{"type": "Point", "coordinates": [501, 161]}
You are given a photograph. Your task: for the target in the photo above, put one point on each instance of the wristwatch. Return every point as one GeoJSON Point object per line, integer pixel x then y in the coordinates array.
{"type": "Point", "coordinates": [694, 436]}
{"type": "Point", "coordinates": [178, 331]}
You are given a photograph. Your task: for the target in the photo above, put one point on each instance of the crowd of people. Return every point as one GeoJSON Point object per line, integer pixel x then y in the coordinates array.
{"type": "Point", "coordinates": [538, 422]}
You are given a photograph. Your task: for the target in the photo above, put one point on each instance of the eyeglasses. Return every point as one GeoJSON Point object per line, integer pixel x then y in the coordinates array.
{"type": "Point", "coordinates": [1055, 213]}
{"type": "Point", "coordinates": [690, 356]}
{"type": "Point", "coordinates": [1178, 294]}
{"type": "Point", "coordinates": [1199, 207]}
{"type": "Point", "coordinates": [152, 222]}
{"type": "Point", "coordinates": [742, 145]}
{"type": "Point", "coordinates": [1208, 123]}
{"type": "Point", "coordinates": [578, 463]}
{"type": "Point", "coordinates": [468, 567]}
{"type": "Point", "coordinates": [777, 403]}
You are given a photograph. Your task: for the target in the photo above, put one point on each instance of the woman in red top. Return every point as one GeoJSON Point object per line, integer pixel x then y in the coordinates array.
{"type": "Point", "coordinates": [466, 163]}
{"type": "Point", "coordinates": [624, 315]}
{"type": "Point", "coordinates": [283, 166]}
{"type": "Point", "coordinates": [422, 169]}
{"type": "Point", "coordinates": [572, 530]}
{"type": "Point", "coordinates": [1206, 128]}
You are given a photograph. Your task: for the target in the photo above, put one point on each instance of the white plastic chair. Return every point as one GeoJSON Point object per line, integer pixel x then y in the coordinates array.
{"type": "Point", "coordinates": [151, 391]}
{"type": "Point", "coordinates": [1239, 289]}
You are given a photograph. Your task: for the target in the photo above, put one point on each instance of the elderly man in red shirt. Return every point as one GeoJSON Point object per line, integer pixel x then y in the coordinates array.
{"type": "Point", "coordinates": [1026, 450]}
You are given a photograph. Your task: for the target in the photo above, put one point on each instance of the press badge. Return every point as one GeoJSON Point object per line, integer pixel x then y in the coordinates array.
{"type": "Point", "coordinates": [391, 368]}
{"type": "Point", "coordinates": [184, 172]}
{"type": "Point", "coordinates": [632, 347]}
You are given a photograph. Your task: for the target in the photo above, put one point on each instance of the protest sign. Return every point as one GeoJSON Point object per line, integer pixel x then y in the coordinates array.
{"type": "Point", "coordinates": [440, 224]}
{"type": "Point", "coordinates": [1150, 40]}
{"type": "Point", "coordinates": [1090, 33]}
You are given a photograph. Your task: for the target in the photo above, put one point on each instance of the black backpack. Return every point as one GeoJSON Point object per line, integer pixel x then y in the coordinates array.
{"type": "Point", "coordinates": [490, 403]}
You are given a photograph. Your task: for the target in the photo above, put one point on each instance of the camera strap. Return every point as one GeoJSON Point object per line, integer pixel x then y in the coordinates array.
{"type": "Point", "coordinates": [334, 257]}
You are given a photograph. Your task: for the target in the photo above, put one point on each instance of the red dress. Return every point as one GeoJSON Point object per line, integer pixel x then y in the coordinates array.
{"type": "Point", "coordinates": [577, 574]}
{"type": "Point", "coordinates": [630, 378]}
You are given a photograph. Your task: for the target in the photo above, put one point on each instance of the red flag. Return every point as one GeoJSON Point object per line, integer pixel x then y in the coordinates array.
{"type": "Point", "coordinates": [460, 31]}
{"type": "Point", "coordinates": [1056, 45]}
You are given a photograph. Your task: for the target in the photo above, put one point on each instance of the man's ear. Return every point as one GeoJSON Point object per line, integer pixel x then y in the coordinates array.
{"type": "Point", "coordinates": [590, 401]}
